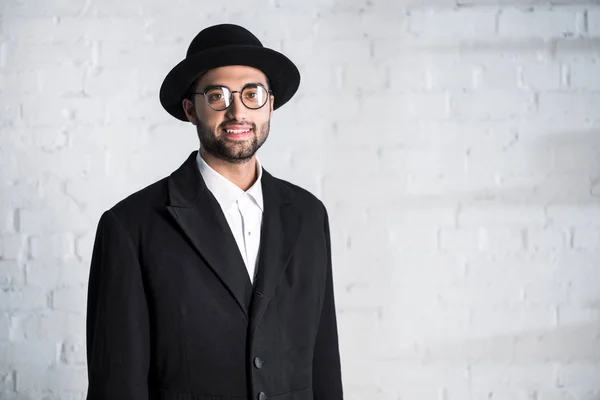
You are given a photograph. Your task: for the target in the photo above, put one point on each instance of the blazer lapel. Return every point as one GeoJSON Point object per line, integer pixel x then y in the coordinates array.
{"type": "Point", "coordinates": [200, 217]}
{"type": "Point", "coordinates": [279, 233]}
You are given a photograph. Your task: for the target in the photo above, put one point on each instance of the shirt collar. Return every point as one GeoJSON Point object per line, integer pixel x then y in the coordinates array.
{"type": "Point", "coordinates": [225, 191]}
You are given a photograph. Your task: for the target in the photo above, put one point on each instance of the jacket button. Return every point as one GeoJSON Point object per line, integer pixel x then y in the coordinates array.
{"type": "Point", "coordinates": [262, 396]}
{"type": "Point", "coordinates": [258, 363]}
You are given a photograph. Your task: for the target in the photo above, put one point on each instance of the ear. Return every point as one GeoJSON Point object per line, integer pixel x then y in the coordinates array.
{"type": "Point", "coordinates": [190, 111]}
{"type": "Point", "coordinates": [271, 103]}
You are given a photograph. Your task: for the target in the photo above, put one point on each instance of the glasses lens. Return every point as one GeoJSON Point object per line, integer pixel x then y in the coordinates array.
{"type": "Point", "coordinates": [254, 96]}
{"type": "Point", "coordinates": [218, 98]}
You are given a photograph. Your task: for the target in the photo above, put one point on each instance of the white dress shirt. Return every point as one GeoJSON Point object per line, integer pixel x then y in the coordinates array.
{"type": "Point", "coordinates": [243, 210]}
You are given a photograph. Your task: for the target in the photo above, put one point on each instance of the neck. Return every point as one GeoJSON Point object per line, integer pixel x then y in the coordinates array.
{"type": "Point", "coordinates": [243, 175]}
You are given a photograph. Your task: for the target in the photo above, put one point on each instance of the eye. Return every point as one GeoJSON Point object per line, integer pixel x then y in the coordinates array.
{"type": "Point", "coordinates": [215, 96]}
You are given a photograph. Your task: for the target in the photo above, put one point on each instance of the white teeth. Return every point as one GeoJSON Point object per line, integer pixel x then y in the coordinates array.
{"type": "Point", "coordinates": [238, 130]}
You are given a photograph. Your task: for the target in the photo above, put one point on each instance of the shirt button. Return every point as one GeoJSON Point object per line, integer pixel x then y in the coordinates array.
{"type": "Point", "coordinates": [258, 363]}
{"type": "Point", "coordinates": [249, 233]}
{"type": "Point", "coordinates": [262, 396]}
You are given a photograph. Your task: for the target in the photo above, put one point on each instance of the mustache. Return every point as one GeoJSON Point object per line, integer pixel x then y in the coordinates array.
{"type": "Point", "coordinates": [225, 125]}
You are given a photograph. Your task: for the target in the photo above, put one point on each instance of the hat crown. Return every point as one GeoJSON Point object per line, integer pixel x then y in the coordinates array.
{"type": "Point", "coordinates": [220, 36]}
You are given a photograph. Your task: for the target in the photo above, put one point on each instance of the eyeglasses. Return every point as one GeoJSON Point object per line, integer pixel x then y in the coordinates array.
{"type": "Point", "coordinates": [252, 95]}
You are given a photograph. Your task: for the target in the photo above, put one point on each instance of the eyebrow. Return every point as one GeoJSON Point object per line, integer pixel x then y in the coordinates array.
{"type": "Point", "coordinates": [220, 84]}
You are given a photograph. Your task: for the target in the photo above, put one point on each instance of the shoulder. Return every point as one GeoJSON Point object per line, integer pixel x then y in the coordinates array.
{"type": "Point", "coordinates": [297, 195]}
{"type": "Point", "coordinates": [139, 206]}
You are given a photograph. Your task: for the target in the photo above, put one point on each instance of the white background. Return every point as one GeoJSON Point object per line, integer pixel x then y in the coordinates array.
{"type": "Point", "coordinates": [456, 144]}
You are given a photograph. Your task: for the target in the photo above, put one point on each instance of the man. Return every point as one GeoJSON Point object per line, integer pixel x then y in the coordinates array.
{"type": "Point", "coordinates": [215, 283]}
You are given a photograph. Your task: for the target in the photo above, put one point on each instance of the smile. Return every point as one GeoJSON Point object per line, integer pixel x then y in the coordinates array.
{"type": "Point", "coordinates": [237, 130]}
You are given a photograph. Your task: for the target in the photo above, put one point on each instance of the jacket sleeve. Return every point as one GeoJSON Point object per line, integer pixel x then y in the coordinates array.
{"type": "Point", "coordinates": [327, 379]}
{"type": "Point", "coordinates": [117, 327]}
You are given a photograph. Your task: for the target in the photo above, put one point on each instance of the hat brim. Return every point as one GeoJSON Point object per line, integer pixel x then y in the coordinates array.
{"type": "Point", "coordinates": [283, 75]}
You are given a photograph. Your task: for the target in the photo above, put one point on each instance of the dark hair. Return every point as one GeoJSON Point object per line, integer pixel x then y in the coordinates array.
{"type": "Point", "coordinates": [189, 93]}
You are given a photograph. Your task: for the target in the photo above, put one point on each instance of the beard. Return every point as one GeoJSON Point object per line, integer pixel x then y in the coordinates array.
{"type": "Point", "coordinates": [233, 151]}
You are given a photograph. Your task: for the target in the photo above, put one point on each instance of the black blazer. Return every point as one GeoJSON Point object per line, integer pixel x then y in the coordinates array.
{"type": "Point", "coordinates": [171, 311]}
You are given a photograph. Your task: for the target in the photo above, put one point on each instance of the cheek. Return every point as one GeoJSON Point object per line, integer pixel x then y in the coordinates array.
{"type": "Point", "coordinates": [210, 121]}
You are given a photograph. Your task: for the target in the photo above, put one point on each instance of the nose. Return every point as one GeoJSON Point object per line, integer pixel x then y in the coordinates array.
{"type": "Point", "coordinates": [237, 110]}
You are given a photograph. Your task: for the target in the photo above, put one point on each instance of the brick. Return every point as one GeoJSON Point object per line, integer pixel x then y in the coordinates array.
{"type": "Point", "coordinates": [584, 74]}
{"type": "Point", "coordinates": [45, 325]}
{"type": "Point", "coordinates": [323, 105]}
{"type": "Point", "coordinates": [322, 78]}
{"type": "Point", "coordinates": [575, 107]}
{"type": "Point", "coordinates": [69, 299]}
{"type": "Point", "coordinates": [481, 293]}
{"type": "Point", "coordinates": [44, 112]}
{"type": "Point", "coordinates": [10, 114]}
{"type": "Point", "coordinates": [407, 106]}
{"type": "Point", "coordinates": [380, 189]}
{"type": "Point", "coordinates": [73, 352]}
{"type": "Point", "coordinates": [112, 82]}
{"type": "Point", "coordinates": [12, 247]}
{"type": "Point", "coordinates": [489, 172]}
{"type": "Point", "coordinates": [544, 239]}
{"type": "Point", "coordinates": [415, 215]}
{"type": "Point", "coordinates": [432, 160]}
{"type": "Point", "coordinates": [574, 215]}
{"type": "Point", "coordinates": [380, 24]}
{"type": "Point", "coordinates": [539, 187]}
{"type": "Point", "coordinates": [330, 51]}
{"type": "Point", "coordinates": [502, 240]}
{"type": "Point", "coordinates": [575, 315]}
{"type": "Point", "coordinates": [114, 8]}
{"type": "Point", "coordinates": [7, 381]}
{"type": "Point", "coordinates": [22, 299]}
{"type": "Point", "coordinates": [538, 22]}
{"type": "Point", "coordinates": [16, 8]}
{"type": "Point", "coordinates": [28, 56]}
{"type": "Point", "coordinates": [4, 327]}
{"type": "Point", "coordinates": [541, 76]}
{"type": "Point", "coordinates": [522, 269]}
{"type": "Point", "coordinates": [136, 55]}
{"type": "Point", "coordinates": [448, 73]}
{"type": "Point", "coordinates": [549, 345]}
{"type": "Point", "coordinates": [579, 280]}
{"type": "Point", "coordinates": [593, 21]}
{"type": "Point", "coordinates": [31, 379]}
{"type": "Point", "coordinates": [586, 238]}
{"type": "Point", "coordinates": [11, 274]}
{"type": "Point", "coordinates": [490, 321]}
{"type": "Point", "coordinates": [52, 246]}
{"type": "Point", "coordinates": [573, 374]}
{"type": "Point", "coordinates": [414, 238]}
{"type": "Point", "coordinates": [494, 105]}
{"type": "Point", "coordinates": [495, 76]}
{"type": "Point", "coordinates": [366, 78]}
{"type": "Point", "coordinates": [33, 353]}
{"type": "Point", "coordinates": [62, 81]}
{"type": "Point", "coordinates": [460, 240]}
{"type": "Point", "coordinates": [20, 82]}
{"type": "Point", "coordinates": [477, 215]}
{"type": "Point", "coordinates": [452, 25]}
{"type": "Point", "coordinates": [48, 140]}
{"type": "Point", "coordinates": [408, 75]}
{"type": "Point", "coordinates": [47, 220]}
{"type": "Point", "coordinates": [340, 25]}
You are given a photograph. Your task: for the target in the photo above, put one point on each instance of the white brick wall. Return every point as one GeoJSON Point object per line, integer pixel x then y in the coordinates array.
{"type": "Point", "coordinates": [456, 144]}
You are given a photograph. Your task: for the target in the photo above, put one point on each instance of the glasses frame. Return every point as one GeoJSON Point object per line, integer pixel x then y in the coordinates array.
{"type": "Point", "coordinates": [205, 93]}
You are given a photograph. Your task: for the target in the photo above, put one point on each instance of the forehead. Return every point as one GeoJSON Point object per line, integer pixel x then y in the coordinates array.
{"type": "Point", "coordinates": [232, 76]}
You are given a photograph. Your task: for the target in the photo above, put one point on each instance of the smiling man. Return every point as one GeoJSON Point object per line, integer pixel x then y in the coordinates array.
{"type": "Point", "coordinates": [215, 283]}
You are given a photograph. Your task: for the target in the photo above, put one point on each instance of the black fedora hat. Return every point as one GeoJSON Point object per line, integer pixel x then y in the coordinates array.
{"type": "Point", "coordinates": [222, 45]}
